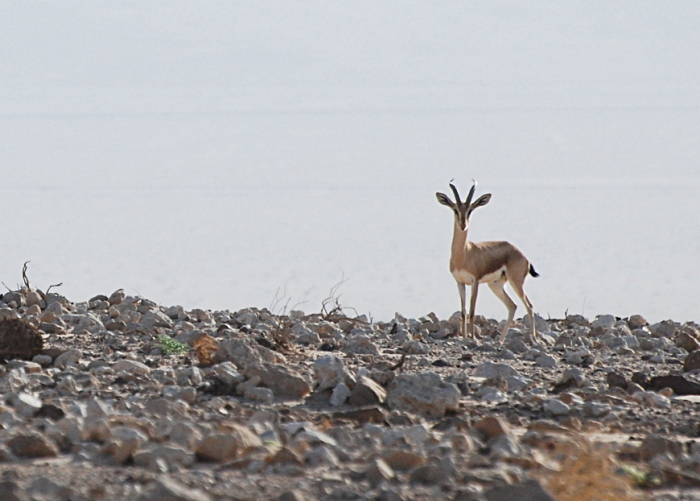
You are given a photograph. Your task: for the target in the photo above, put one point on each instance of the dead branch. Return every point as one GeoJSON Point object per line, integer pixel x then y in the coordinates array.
{"type": "Point", "coordinates": [49, 289]}
{"type": "Point", "coordinates": [25, 279]}
{"type": "Point", "coordinates": [398, 364]}
{"type": "Point", "coordinates": [337, 312]}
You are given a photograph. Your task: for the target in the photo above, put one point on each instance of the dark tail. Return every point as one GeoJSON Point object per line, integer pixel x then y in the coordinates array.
{"type": "Point", "coordinates": [533, 272]}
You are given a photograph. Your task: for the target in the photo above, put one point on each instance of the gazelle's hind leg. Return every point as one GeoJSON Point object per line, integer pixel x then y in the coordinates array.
{"type": "Point", "coordinates": [498, 289]}
{"type": "Point", "coordinates": [518, 288]}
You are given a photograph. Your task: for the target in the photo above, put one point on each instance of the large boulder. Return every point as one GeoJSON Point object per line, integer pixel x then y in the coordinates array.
{"type": "Point", "coordinates": [244, 352]}
{"type": "Point", "coordinates": [329, 371]}
{"type": "Point", "coordinates": [424, 393]}
{"type": "Point", "coordinates": [282, 380]}
{"type": "Point", "coordinates": [225, 446]}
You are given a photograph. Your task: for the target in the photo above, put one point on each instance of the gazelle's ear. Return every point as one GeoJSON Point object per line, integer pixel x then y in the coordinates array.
{"type": "Point", "coordinates": [479, 202]}
{"type": "Point", "coordinates": [445, 200]}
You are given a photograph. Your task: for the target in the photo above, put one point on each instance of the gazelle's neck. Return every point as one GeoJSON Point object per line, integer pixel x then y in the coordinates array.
{"type": "Point", "coordinates": [459, 239]}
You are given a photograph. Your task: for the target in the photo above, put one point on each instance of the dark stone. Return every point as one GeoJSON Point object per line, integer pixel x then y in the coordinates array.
{"type": "Point", "coordinates": [364, 415]}
{"type": "Point", "coordinates": [10, 491]}
{"type": "Point", "coordinates": [640, 378]}
{"type": "Point", "coordinates": [441, 363]}
{"type": "Point", "coordinates": [692, 361]}
{"type": "Point", "coordinates": [51, 411]}
{"type": "Point", "coordinates": [290, 496]}
{"type": "Point", "coordinates": [428, 474]}
{"type": "Point", "coordinates": [367, 392]}
{"type": "Point", "coordinates": [679, 384]}
{"type": "Point", "coordinates": [452, 422]}
{"type": "Point", "coordinates": [264, 343]}
{"type": "Point", "coordinates": [530, 490]}
{"type": "Point", "coordinates": [616, 380]}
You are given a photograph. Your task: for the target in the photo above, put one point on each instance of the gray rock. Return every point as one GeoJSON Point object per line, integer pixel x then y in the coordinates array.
{"type": "Point", "coordinates": [329, 371]}
{"type": "Point", "coordinates": [45, 489]}
{"type": "Point", "coordinates": [97, 429]}
{"type": "Point", "coordinates": [425, 393]}
{"type": "Point", "coordinates": [281, 379]}
{"type": "Point", "coordinates": [131, 367]}
{"type": "Point", "coordinates": [33, 298]}
{"type": "Point", "coordinates": [11, 491]}
{"type": "Point", "coordinates": [636, 322]}
{"type": "Point", "coordinates": [155, 318]}
{"type": "Point", "coordinates": [13, 298]}
{"type": "Point", "coordinates": [428, 474]}
{"type": "Point", "coordinates": [340, 394]}
{"type": "Point", "coordinates": [516, 383]}
{"type": "Point", "coordinates": [580, 357]}
{"type": "Point", "coordinates": [226, 373]}
{"type": "Point", "coordinates": [692, 361]}
{"type": "Point", "coordinates": [259, 394]}
{"type": "Point", "coordinates": [360, 344]}
{"type": "Point", "coordinates": [117, 296]}
{"type": "Point", "coordinates": [26, 405]}
{"type": "Point", "coordinates": [529, 490]}
{"type": "Point", "coordinates": [596, 409]}
{"type": "Point", "coordinates": [546, 361]}
{"type": "Point", "coordinates": [175, 312]}
{"type": "Point", "coordinates": [185, 434]}
{"type": "Point", "coordinates": [161, 407]}
{"type": "Point", "coordinates": [43, 360]}
{"type": "Point", "coordinates": [321, 456]}
{"type": "Point", "coordinates": [666, 328]}
{"type": "Point", "coordinates": [167, 489]}
{"type": "Point", "coordinates": [604, 322]}
{"type": "Point", "coordinates": [556, 407]}
{"type": "Point", "coordinates": [171, 455]}
{"type": "Point", "coordinates": [367, 392]}
{"type": "Point", "coordinates": [631, 341]}
{"type": "Point", "coordinates": [491, 370]}
{"type": "Point", "coordinates": [379, 471]}
{"type": "Point", "coordinates": [655, 444]}
{"type": "Point", "coordinates": [124, 443]}
{"type": "Point", "coordinates": [305, 336]}
{"type": "Point", "coordinates": [96, 408]}
{"type": "Point", "coordinates": [415, 347]}
{"type": "Point", "coordinates": [244, 352]}
{"type": "Point", "coordinates": [516, 345]}
{"type": "Point", "coordinates": [222, 447]}
{"type": "Point", "coordinates": [291, 495]}
{"type": "Point", "coordinates": [574, 377]}
{"type": "Point", "coordinates": [68, 358]}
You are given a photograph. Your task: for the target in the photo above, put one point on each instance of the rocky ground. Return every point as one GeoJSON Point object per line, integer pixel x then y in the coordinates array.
{"type": "Point", "coordinates": [127, 399]}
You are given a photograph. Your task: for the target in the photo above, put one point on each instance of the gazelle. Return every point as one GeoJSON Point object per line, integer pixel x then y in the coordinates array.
{"type": "Point", "coordinates": [494, 263]}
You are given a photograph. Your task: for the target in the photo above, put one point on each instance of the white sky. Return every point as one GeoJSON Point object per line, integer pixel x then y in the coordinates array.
{"type": "Point", "coordinates": [543, 53]}
{"type": "Point", "coordinates": [397, 95]}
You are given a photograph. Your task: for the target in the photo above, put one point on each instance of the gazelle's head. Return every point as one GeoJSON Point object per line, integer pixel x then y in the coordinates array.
{"type": "Point", "coordinates": [463, 210]}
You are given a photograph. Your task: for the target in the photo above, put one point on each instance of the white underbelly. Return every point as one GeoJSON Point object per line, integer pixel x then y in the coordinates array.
{"type": "Point", "coordinates": [463, 276]}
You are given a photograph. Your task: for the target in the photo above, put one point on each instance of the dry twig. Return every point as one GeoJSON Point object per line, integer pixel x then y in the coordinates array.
{"type": "Point", "coordinates": [25, 279]}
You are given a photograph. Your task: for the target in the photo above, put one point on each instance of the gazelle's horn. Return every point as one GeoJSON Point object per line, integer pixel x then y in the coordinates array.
{"type": "Point", "coordinates": [454, 190]}
{"type": "Point", "coordinates": [468, 201]}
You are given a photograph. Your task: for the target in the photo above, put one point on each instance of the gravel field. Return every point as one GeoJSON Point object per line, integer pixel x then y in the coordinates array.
{"type": "Point", "coordinates": [119, 398]}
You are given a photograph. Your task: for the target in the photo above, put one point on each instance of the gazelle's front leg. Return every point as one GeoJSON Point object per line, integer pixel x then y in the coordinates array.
{"type": "Point", "coordinates": [472, 308]}
{"type": "Point", "coordinates": [462, 300]}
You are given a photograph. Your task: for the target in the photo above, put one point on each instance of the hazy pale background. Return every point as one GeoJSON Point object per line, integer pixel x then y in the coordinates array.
{"type": "Point", "coordinates": [210, 153]}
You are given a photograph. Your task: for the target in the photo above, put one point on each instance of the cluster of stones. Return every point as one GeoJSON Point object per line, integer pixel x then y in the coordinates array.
{"type": "Point", "coordinates": [310, 407]}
